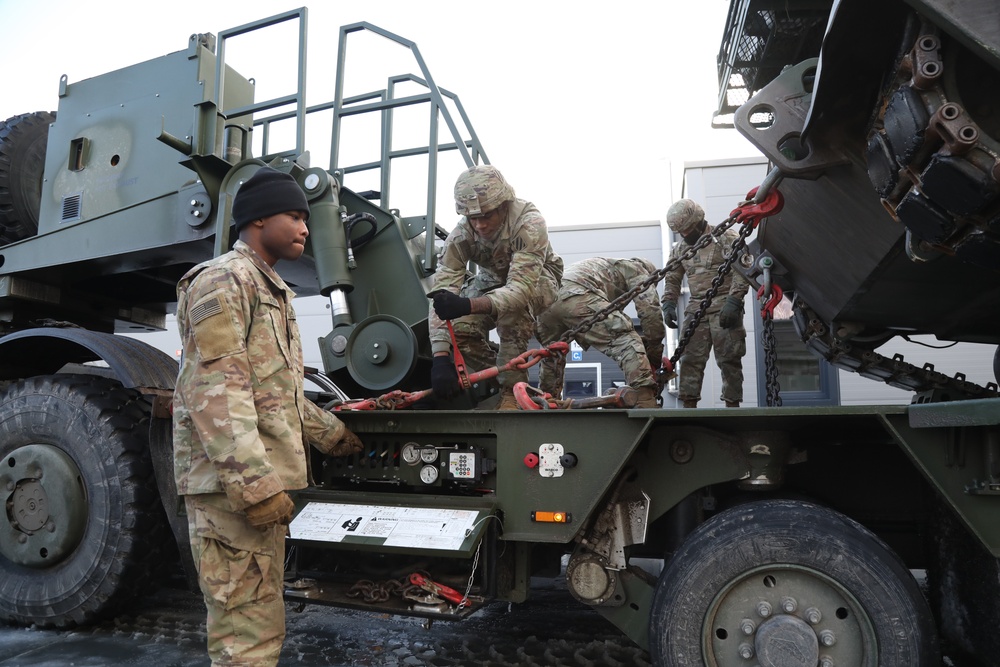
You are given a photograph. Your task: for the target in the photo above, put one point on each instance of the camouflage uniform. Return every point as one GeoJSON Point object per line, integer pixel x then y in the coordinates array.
{"type": "Point", "coordinates": [729, 344]}
{"type": "Point", "coordinates": [587, 287]}
{"type": "Point", "coordinates": [240, 420]}
{"type": "Point", "coordinates": [517, 270]}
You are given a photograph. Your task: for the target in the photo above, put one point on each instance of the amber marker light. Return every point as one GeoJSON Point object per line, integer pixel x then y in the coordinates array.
{"type": "Point", "coordinates": [551, 517]}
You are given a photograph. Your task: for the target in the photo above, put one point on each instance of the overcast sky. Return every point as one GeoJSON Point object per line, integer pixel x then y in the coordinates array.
{"type": "Point", "coordinates": [589, 109]}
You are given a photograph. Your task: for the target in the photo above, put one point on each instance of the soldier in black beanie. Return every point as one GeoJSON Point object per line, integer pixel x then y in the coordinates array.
{"type": "Point", "coordinates": [267, 193]}
{"type": "Point", "coordinates": [242, 422]}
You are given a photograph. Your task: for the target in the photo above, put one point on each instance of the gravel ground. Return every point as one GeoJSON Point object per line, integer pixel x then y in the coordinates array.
{"type": "Point", "coordinates": [168, 630]}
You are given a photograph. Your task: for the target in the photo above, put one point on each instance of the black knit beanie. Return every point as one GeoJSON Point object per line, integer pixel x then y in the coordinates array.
{"type": "Point", "coordinates": [267, 192]}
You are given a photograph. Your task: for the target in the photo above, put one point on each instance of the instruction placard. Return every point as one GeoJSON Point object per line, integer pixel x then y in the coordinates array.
{"type": "Point", "coordinates": [423, 527]}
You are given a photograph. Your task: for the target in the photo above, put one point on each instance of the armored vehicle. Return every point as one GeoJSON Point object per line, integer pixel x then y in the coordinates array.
{"type": "Point", "coordinates": [788, 535]}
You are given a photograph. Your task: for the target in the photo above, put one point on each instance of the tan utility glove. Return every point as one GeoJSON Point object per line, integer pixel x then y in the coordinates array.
{"type": "Point", "coordinates": [347, 445]}
{"type": "Point", "coordinates": [279, 508]}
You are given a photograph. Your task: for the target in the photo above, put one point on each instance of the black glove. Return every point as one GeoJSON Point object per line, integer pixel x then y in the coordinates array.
{"type": "Point", "coordinates": [448, 306]}
{"type": "Point", "coordinates": [670, 314]}
{"type": "Point", "coordinates": [444, 377]}
{"type": "Point", "coordinates": [732, 312]}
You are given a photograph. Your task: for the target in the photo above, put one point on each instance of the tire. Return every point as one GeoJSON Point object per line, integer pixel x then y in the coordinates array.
{"type": "Point", "coordinates": [23, 140]}
{"type": "Point", "coordinates": [712, 600]}
{"type": "Point", "coordinates": [84, 530]}
{"type": "Point", "coordinates": [996, 364]}
{"type": "Point", "coordinates": [964, 586]}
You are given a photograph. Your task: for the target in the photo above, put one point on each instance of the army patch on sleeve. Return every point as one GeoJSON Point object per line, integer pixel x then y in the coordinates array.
{"type": "Point", "coordinates": [205, 309]}
{"type": "Point", "coordinates": [517, 244]}
{"type": "Point", "coordinates": [215, 333]}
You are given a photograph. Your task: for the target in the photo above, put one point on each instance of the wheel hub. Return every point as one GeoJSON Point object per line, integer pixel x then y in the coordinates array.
{"type": "Point", "coordinates": [30, 505]}
{"type": "Point", "coordinates": [45, 503]}
{"type": "Point", "coordinates": [788, 616]}
{"type": "Point", "coordinates": [786, 641]}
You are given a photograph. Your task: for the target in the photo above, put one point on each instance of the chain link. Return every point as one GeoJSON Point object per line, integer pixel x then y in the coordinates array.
{"type": "Point", "coordinates": [655, 277]}
{"type": "Point", "coordinates": [773, 388]}
{"type": "Point", "coordinates": [738, 244]}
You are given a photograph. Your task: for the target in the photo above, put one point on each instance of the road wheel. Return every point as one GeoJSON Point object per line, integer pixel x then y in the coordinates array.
{"type": "Point", "coordinates": [784, 582]}
{"type": "Point", "coordinates": [23, 140]}
{"type": "Point", "coordinates": [83, 529]}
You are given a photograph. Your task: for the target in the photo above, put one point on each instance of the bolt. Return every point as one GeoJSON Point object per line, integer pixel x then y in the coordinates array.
{"type": "Point", "coordinates": [764, 608]}
{"type": "Point", "coordinates": [813, 615]}
{"type": "Point", "coordinates": [746, 651]}
{"type": "Point", "coordinates": [10, 486]}
{"type": "Point", "coordinates": [22, 539]}
{"type": "Point", "coordinates": [196, 214]}
{"type": "Point", "coordinates": [789, 605]}
{"type": "Point", "coordinates": [747, 626]}
{"type": "Point", "coordinates": [826, 638]}
{"type": "Point", "coordinates": [826, 661]}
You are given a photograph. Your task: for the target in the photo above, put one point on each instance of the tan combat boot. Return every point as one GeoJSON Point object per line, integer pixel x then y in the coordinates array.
{"type": "Point", "coordinates": [507, 400]}
{"type": "Point", "coordinates": [690, 402]}
{"type": "Point", "coordinates": [647, 397]}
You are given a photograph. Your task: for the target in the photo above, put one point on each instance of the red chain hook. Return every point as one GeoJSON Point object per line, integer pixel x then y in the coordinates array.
{"type": "Point", "coordinates": [767, 310]}
{"type": "Point", "coordinates": [397, 400]}
{"type": "Point", "coordinates": [752, 211]}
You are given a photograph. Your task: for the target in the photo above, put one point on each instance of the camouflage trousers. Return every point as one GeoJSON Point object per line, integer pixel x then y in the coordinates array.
{"type": "Point", "coordinates": [515, 329]}
{"type": "Point", "coordinates": [241, 573]}
{"type": "Point", "coordinates": [615, 336]}
{"type": "Point", "coordinates": [729, 345]}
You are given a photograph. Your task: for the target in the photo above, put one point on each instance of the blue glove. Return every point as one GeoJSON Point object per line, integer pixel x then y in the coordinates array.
{"type": "Point", "coordinates": [732, 312]}
{"type": "Point", "coordinates": [444, 377]}
{"type": "Point", "coordinates": [448, 306]}
{"type": "Point", "coordinates": [670, 314]}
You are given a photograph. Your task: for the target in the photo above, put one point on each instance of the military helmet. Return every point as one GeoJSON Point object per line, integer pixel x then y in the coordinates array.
{"type": "Point", "coordinates": [685, 216]}
{"type": "Point", "coordinates": [481, 189]}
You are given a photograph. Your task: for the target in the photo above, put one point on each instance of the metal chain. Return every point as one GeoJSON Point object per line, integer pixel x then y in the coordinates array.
{"type": "Point", "coordinates": [717, 281]}
{"type": "Point", "coordinates": [472, 575]}
{"type": "Point", "coordinates": [773, 388]}
{"type": "Point", "coordinates": [654, 279]}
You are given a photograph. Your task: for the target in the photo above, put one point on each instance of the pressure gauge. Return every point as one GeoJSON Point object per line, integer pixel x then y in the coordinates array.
{"type": "Point", "coordinates": [410, 453]}
{"type": "Point", "coordinates": [428, 455]}
{"type": "Point", "coordinates": [429, 474]}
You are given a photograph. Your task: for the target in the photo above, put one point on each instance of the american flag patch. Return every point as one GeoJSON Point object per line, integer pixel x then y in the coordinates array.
{"type": "Point", "coordinates": [205, 309]}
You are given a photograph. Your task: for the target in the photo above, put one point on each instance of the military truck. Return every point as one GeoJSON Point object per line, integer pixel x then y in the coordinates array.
{"type": "Point", "coordinates": [788, 535]}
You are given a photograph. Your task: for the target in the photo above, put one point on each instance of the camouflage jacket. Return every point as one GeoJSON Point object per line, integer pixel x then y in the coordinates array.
{"type": "Point", "coordinates": [240, 415]}
{"type": "Point", "coordinates": [521, 252]}
{"type": "Point", "coordinates": [610, 278]}
{"type": "Point", "coordinates": [701, 270]}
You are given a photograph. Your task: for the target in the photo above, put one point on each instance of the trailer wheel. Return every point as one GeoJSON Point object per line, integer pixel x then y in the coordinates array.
{"type": "Point", "coordinates": [23, 140]}
{"type": "Point", "coordinates": [83, 530]}
{"type": "Point", "coordinates": [783, 582]}
{"type": "Point", "coordinates": [964, 585]}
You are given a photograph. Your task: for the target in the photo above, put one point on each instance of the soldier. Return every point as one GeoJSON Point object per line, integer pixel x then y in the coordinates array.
{"type": "Point", "coordinates": [587, 287]}
{"type": "Point", "coordinates": [241, 418]}
{"type": "Point", "coordinates": [721, 327]}
{"type": "Point", "coordinates": [517, 278]}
